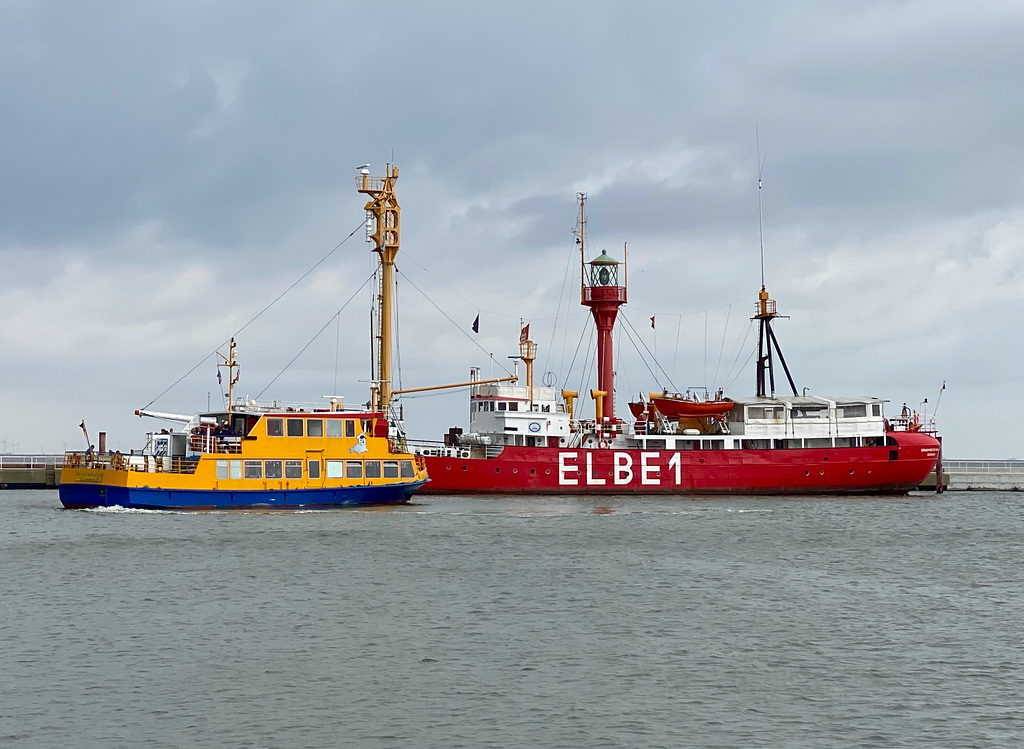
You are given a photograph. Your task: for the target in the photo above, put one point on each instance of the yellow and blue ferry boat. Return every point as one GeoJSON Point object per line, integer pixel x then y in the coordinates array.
{"type": "Point", "coordinates": [248, 455]}
{"type": "Point", "coordinates": [251, 456]}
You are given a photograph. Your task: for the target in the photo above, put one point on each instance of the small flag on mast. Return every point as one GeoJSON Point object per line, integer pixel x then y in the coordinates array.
{"type": "Point", "coordinates": [524, 334]}
{"type": "Point", "coordinates": [84, 431]}
{"type": "Point", "coordinates": [652, 322]}
{"type": "Point", "coordinates": [219, 380]}
{"type": "Point", "coordinates": [476, 324]}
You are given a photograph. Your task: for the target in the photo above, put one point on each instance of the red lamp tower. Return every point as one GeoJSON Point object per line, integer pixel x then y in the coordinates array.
{"type": "Point", "coordinates": [600, 290]}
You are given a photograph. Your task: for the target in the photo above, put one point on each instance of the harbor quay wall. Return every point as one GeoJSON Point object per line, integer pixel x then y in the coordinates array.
{"type": "Point", "coordinates": [43, 472]}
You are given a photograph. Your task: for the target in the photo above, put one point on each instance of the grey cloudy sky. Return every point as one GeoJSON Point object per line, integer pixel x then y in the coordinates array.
{"type": "Point", "coordinates": [167, 169]}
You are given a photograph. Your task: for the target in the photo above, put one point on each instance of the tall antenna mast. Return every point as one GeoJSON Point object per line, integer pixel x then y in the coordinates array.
{"type": "Point", "coordinates": [760, 213]}
{"type": "Point", "coordinates": [581, 233]}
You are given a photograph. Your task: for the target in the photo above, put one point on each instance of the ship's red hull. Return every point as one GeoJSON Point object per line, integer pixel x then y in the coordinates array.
{"type": "Point", "coordinates": [547, 470]}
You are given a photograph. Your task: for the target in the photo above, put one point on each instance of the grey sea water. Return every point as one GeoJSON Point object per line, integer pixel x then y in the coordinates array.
{"type": "Point", "coordinates": [537, 622]}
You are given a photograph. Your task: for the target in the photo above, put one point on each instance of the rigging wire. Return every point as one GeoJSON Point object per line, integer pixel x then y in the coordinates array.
{"type": "Point", "coordinates": [653, 357]}
{"type": "Point", "coordinates": [654, 376]}
{"type": "Point", "coordinates": [725, 333]}
{"type": "Point", "coordinates": [449, 319]}
{"type": "Point", "coordinates": [256, 317]}
{"type": "Point", "coordinates": [317, 335]}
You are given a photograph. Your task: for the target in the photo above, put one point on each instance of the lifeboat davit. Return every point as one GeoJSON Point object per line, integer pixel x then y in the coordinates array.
{"type": "Point", "coordinates": [675, 407]}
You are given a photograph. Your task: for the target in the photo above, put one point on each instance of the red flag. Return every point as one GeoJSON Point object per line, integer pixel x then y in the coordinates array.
{"type": "Point", "coordinates": [652, 322]}
{"type": "Point", "coordinates": [524, 334]}
{"type": "Point", "coordinates": [476, 324]}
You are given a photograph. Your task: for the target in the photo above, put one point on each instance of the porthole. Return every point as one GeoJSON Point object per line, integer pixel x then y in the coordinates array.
{"type": "Point", "coordinates": [851, 471]}
{"type": "Point", "coordinates": [515, 470]}
{"type": "Point", "coordinates": [448, 468]}
{"type": "Point", "coordinates": [465, 468]}
{"type": "Point", "coordinates": [533, 471]}
{"type": "Point", "coordinates": [807, 473]}
{"type": "Point", "coordinates": [497, 469]}
{"type": "Point", "coordinates": [821, 473]}
{"type": "Point", "coordinates": [547, 470]}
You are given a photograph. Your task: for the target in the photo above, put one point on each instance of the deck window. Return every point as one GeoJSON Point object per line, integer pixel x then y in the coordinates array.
{"type": "Point", "coordinates": [222, 469]}
{"type": "Point", "coordinates": [294, 427]}
{"type": "Point", "coordinates": [367, 425]}
{"type": "Point", "coordinates": [764, 412]}
{"type": "Point", "coordinates": [391, 469]}
{"type": "Point", "coordinates": [655, 444]}
{"type": "Point", "coordinates": [714, 444]}
{"type": "Point", "coordinates": [688, 445]}
{"type": "Point", "coordinates": [502, 405]}
{"type": "Point", "coordinates": [315, 428]}
{"type": "Point", "coordinates": [846, 441]}
{"type": "Point", "coordinates": [275, 427]}
{"type": "Point", "coordinates": [809, 412]}
{"type": "Point", "coordinates": [236, 469]}
{"type": "Point", "coordinates": [273, 469]}
{"type": "Point", "coordinates": [350, 428]}
{"type": "Point", "coordinates": [854, 412]}
{"type": "Point", "coordinates": [254, 469]}
{"type": "Point", "coordinates": [354, 469]}
{"type": "Point", "coordinates": [334, 427]}
{"type": "Point", "coordinates": [408, 471]}
{"type": "Point", "coordinates": [373, 469]}
{"type": "Point", "coordinates": [876, 409]}
{"type": "Point", "coordinates": [757, 444]}
{"type": "Point", "coordinates": [314, 469]}
{"type": "Point", "coordinates": [513, 406]}
{"type": "Point", "coordinates": [293, 469]}
{"type": "Point", "coordinates": [335, 469]}
{"type": "Point", "coordinates": [818, 442]}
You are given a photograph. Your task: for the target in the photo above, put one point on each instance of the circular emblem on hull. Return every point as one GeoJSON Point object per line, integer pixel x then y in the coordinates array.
{"type": "Point", "coordinates": [535, 426]}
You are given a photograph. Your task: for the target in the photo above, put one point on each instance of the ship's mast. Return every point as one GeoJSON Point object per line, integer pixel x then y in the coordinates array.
{"type": "Point", "coordinates": [382, 230]}
{"type": "Point", "coordinates": [764, 313]}
{"type": "Point", "coordinates": [231, 364]}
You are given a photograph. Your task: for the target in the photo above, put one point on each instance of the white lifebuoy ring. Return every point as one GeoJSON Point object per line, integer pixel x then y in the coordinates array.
{"type": "Point", "coordinates": [603, 444]}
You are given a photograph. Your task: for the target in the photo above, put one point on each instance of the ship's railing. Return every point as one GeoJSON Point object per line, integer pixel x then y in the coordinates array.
{"type": "Point", "coordinates": [140, 463]}
{"type": "Point", "coordinates": [365, 182]}
{"type": "Point", "coordinates": [203, 443]}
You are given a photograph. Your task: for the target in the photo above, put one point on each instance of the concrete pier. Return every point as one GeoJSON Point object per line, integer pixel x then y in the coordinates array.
{"type": "Point", "coordinates": [43, 472]}
{"type": "Point", "coordinates": [30, 471]}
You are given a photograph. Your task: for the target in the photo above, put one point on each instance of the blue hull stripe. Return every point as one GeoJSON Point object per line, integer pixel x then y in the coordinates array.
{"type": "Point", "coordinates": [79, 496]}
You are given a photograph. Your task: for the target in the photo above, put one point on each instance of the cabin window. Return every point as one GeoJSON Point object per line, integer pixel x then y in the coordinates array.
{"type": "Point", "coordinates": [222, 469]}
{"type": "Point", "coordinates": [254, 469]}
{"type": "Point", "coordinates": [855, 412]}
{"type": "Point", "coordinates": [354, 469]}
{"type": "Point", "coordinates": [845, 441]}
{"type": "Point", "coordinates": [764, 412]}
{"type": "Point", "coordinates": [367, 425]}
{"type": "Point", "coordinates": [757, 444]}
{"type": "Point", "coordinates": [275, 427]}
{"type": "Point", "coordinates": [876, 409]}
{"type": "Point", "coordinates": [688, 444]}
{"type": "Point", "coordinates": [655, 444]}
{"type": "Point", "coordinates": [334, 427]}
{"type": "Point", "coordinates": [391, 469]}
{"type": "Point", "coordinates": [502, 405]}
{"type": "Point", "coordinates": [314, 469]}
{"type": "Point", "coordinates": [546, 408]}
{"type": "Point", "coordinates": [513, 406]}
{"type": "Point", "coordinates": [808, 412]}
{"type": "Point", "coordinates": [293, 469]}
{"type": "Point", "coordinates": [294, 427]}
{"type": "Point", "coordinates": [408, 472]}
{"type": "Point", "coordinates": [315, 428]}
{"type": "Point", "coordinates": [373, 469]}
{"type": "Point", "coordinates": [236, 469]}
{"type": "Point", "coordinates": [273, 469]}
{"type": "Point", "coordinates": [335, 469]}
{"type": "Point", "coordinates": [714, 444]}
{"type": "Point", "coordinates": [350, 428]}
{"type": "Point", "coordinates": [819, 442]}
{"type": "Point", "coordinates": [873, 441]}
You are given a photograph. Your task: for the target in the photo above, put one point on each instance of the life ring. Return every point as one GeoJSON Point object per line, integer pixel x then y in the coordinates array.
{"type": "Point", "coordinates": [603, 444]}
